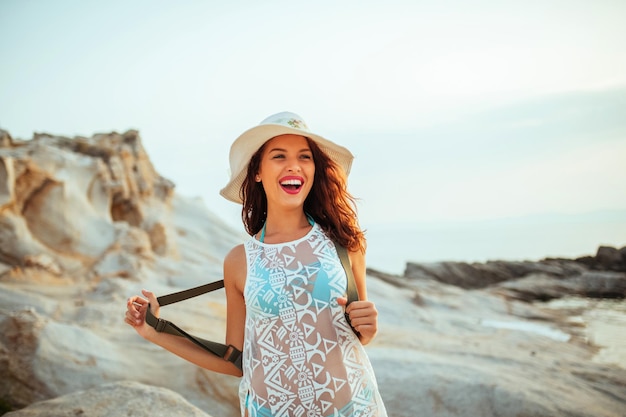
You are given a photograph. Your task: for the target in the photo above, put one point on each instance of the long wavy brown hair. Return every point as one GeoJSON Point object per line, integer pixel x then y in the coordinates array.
{"type": "Point", "coordinates": [329, 202]}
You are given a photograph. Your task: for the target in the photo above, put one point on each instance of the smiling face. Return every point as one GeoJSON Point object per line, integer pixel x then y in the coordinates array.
{"type": "Point", "coordinates": [287, 170]}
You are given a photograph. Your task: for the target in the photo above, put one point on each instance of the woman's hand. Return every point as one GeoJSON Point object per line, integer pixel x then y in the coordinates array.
{"type": "Point", "coordinates": [363, 318]}
{"type": "Point", "coordinates": [136, 308]}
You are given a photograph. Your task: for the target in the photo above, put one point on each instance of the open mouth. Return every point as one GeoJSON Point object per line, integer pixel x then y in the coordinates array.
{"type": "Point", "coordinates": [291, 185]}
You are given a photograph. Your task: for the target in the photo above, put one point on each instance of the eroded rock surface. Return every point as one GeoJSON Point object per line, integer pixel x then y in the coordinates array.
{"type": "Point", "coordinates": [113, 400]}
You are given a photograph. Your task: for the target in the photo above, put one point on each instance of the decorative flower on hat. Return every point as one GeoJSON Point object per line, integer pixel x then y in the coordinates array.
{"type": "Point", "coordinates": [297, 124]}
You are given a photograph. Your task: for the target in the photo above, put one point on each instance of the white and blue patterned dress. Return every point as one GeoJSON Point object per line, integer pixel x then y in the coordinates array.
{"type": "Point", "coordinates": [301, 358]}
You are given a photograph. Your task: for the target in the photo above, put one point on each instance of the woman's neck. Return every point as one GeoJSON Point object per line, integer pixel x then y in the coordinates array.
{"type": "Point", "coordinates": [285, 227]}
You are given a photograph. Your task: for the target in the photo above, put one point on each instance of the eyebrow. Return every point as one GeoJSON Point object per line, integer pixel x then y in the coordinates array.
{"type": "Point", "coordinates": [285, 150]}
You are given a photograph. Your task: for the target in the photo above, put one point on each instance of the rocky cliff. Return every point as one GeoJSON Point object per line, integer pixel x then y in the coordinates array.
{"type": "Point", "coordinates": [86, 222]}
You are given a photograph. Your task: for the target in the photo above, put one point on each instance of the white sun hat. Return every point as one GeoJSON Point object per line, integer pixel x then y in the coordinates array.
{"type": "Point", "coordinates": [251, 140]}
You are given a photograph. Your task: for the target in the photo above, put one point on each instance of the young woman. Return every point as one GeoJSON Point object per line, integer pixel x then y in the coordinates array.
{"type": "Point", "coordinates": [286, 287]}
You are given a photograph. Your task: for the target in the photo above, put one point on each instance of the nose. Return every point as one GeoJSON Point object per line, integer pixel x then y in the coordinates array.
{"type": "Point", "coordinates": [294, 165]}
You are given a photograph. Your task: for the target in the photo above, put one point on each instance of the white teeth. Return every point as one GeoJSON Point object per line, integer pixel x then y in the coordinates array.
{"type": "Point", "coordinates": [291, 182]}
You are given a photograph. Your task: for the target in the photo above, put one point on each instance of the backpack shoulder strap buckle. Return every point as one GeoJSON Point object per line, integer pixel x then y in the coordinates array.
{"type": "Point", "coordinates": [160, 325]}
{"type": "Point", "coordinates": [232, 354]}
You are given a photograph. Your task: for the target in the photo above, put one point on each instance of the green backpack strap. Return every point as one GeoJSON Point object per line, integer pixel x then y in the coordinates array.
{"type": "Point", "coordinates": [227, 352]}
{"type": "Point", "coordinates": [351, 291]}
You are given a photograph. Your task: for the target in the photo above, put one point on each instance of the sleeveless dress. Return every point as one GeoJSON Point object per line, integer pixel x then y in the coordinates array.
{"type": "Point", "coordinates": [300, 356]}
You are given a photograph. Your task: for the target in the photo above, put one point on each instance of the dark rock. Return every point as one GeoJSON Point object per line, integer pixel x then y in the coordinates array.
{"type": "Point", "coordinates": [481, 275]}
{"type": "Point", "coordinates": [542, 287]}
{"type": "Point", "coordinates": [611, 259]}
{"type": "Point", "coordinates": [601, 284]}
{"type": "Point", "coordinates": [598, 276]}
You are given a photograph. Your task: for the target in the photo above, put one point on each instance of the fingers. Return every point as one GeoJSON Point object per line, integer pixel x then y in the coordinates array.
{"type": "Point", "coordinates": [136, 301]}
{"type": "Point", "coordinates": [150, 296]}
{"type": "Point", "coordinates": [363, 317]}
{"type": "Point", "coordinates": [342, 301]}
{"type": "Point", "coordinates": [358, 309]}
{"type": "Point", "coordinates": [132, 320]}
{"type": "Point", "coordinates": [136, 307]}
{"type": "Point", "coordinates": [154, 303]}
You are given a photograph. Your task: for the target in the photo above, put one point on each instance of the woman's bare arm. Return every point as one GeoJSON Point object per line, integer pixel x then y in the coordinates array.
{"type": "Point", "coordinates": [234, 278]}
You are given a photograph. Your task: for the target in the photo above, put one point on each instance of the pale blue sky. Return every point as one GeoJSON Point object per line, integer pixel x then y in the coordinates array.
{"type": "Point", "coordinates": [456, 110]}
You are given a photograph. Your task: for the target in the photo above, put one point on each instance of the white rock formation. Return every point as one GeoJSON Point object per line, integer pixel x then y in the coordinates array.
{"type": "Point", "coordinates": [113, 400]}
{"type": "Point", "coordinates": [85, 223]}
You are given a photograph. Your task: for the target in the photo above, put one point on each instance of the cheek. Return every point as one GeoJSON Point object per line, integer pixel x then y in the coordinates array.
{"type": "Point", "coordinates": [311, 170]}
{"type": "Point", "coordinates": [311, 178]}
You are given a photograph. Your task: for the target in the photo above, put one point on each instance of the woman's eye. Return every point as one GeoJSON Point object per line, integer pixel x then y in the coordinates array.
{"type": "Point", "coordinates": [305, 156]}
{"type": "Point", "coordinates": [278, 156]}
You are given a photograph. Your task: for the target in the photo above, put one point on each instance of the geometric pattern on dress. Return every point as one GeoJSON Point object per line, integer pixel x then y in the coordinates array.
{"type": "Point", "coordinates": [300, 356]}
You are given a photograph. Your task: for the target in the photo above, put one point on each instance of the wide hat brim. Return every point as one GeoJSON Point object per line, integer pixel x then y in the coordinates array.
{"type": "Point", "coordinates": [252, 139]}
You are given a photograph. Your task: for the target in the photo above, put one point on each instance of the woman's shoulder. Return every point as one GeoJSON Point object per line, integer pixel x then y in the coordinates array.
{"type": "Point", "coordinates": [236, 254]}
{"type": "Point", "coordinates": [235, 268]}
{"type": "Point", "coordinates": [235, 260]}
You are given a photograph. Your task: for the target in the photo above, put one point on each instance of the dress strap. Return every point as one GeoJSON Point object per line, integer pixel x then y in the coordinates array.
{"type": "Point", "coordinates": [262, 237]}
